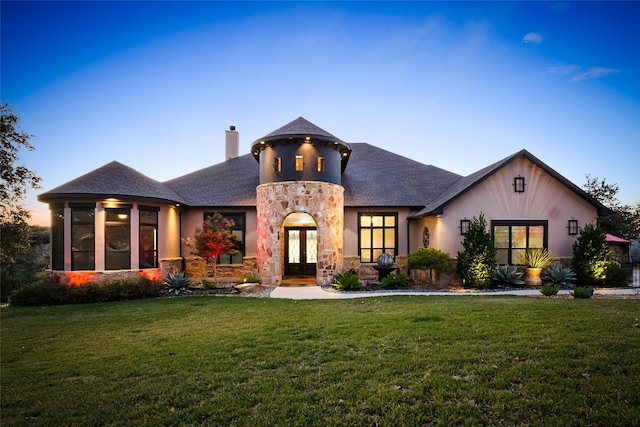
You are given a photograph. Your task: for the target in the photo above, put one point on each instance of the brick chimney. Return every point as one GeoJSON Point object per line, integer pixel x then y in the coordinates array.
{"type": "Point", "coordinates": [232, 143]}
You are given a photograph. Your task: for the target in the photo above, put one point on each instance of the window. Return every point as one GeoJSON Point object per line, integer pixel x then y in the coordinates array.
{"type": "Point", "coordinates": [573, 227]}
{"type": "Point", "coordinates": [57, 238]}
{"type": "Point", "coordinates": [464, 226]}
{"type": "Point", "coordinates": [148, 237]}
{"type": "Point", "coordinates": [82, 237]}
{"type": "Point", "coordinates": [278, 164]}
{"type": "Point", "coordinates": [320, 164]}
{"type": "Point", "coordinates": [518, 184]}
{"type": "Point", "coordinates": [378, 233]}
{"type": "Point", "coordinates": [238, 229]}
{"type": "Point", "coordinates": [117, 232]}
{"type": "Point", "coordinates": [299, 163]}
{"type": "Point", "coordinates": [513, 238]}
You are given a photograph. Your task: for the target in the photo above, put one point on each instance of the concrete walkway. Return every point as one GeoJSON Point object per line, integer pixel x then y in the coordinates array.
{"type": "Point", "coordinates": [317, 292]}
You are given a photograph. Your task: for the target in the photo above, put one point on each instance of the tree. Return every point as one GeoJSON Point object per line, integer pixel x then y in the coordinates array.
{"type": "Point", "coordinates": [430, 259]}
{"type": "Point", "coordinates": [624, 220]}
{"type": "Point", "coordinates": [215, 238]}
{"type": "Point", "coordinates": [15, 180]}
{"type": "Point", "coordinates": [478, 259]}
{"type": "Point", "coordinates": [591, 256]}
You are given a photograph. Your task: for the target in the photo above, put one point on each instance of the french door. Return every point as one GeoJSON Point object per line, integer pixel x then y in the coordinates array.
{"type": "Point", "coordinates": [301, 251]}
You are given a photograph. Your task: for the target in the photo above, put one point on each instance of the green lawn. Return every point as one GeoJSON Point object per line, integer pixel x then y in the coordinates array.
{"type": "Point", "coordinates": [373, 361]}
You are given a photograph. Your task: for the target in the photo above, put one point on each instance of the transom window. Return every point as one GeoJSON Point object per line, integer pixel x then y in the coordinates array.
{"type": "Point", "coordinates": [377, 233]}
{"type": "Point", "coordinates": [513, 238]}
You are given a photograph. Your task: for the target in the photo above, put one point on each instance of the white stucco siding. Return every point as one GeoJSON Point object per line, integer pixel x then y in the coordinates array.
{"type": "Point", "coordinates": [544, 198]}
{"type": "Point", "coordinates": [168, 232]}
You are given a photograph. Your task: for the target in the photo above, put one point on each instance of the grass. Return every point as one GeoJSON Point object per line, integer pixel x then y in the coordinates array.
{"type": "Point", "coordinates": [372, 361]}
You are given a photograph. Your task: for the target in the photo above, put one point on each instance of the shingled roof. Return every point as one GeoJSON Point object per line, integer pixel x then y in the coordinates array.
{"type": "Point", "coordinates": [436, 206]}
{"type": "Point", "coordinates": [300, 127]}
{"type": "Point", "coordinates": [230, 183]}
{"type": "Point", "coordinates": [376, 177]}
{"type": "Point", "coordinates": [113, 180]}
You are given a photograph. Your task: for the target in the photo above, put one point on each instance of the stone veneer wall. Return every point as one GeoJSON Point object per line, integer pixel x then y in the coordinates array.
{"type": "Point", "coordinates": [198, 269]}
{"type": "Point", "coordinates": [323, 201]}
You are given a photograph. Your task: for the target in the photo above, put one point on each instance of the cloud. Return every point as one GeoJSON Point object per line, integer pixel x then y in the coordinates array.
{"type": "Point", "coordinates": [532, 38]}
{"type": "Point", "coordinates": [564, 70]}
{"type": "Point", "coordinates": [594, 73]}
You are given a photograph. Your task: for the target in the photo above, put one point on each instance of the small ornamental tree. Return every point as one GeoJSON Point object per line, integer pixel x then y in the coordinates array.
{"type": "Point", "coordinates": [215, 238]}
{"type": "Point", "coordinates": [591, 256]}
{"type": "Point", "coordinates": [478, 259]}
{"type": "Point", "coordinates": [430, 259]}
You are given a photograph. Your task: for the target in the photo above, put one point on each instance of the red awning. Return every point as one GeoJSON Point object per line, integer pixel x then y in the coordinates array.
{"type": "Point", "coordinates": [614, 239]}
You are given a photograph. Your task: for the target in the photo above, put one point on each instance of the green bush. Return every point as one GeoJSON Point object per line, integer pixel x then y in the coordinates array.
{"type": "Point", "coordinates": [579, 292]}
{"type": "Point", "coordinates": [207, 284]}
{"type": "Point", "coordinates": [430, 259]}
{"type": "Point", "coordinates": [394, 281]}
{"type": "Point", "coordinates": [117, 289]}
{"type": "Point", "coordinates": [348, 281]}
{"type": "Point", "coordinates": [591, 256]}
{"type": "Point", "coordinates": [507, 275]}
{"type": "Point", "coordinates": [549, 290]}
{"type": "Point", "coordinates": [478, 259]}
{"type": "Point", "coordinates": [249, 279]}
{"type": "Point", "coordinates": [38, 294]}
{"type": "Point", "coordinates": [618, 276]}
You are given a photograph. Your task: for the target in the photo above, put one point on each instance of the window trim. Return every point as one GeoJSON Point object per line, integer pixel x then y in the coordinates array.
{"type": "Point", "coordinates": [128, 209]}
{"type": "Point", "coordinates": [383, 227]}
{"type": "Point", "coordinates": [83, 206]}
{"type": "Point", "coordinates": [511, 223]}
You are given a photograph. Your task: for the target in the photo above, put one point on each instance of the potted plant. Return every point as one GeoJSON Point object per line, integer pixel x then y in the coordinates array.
{"type": "Point", "coordinates": [535, 260]}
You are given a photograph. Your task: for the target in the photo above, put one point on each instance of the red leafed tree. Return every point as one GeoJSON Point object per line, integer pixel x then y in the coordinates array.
{"type": "Point", "coordinates": [215, 238]}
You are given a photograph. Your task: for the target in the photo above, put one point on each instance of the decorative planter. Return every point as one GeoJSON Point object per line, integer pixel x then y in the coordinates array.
{"type": "Point", "coordinates": [533, 275]}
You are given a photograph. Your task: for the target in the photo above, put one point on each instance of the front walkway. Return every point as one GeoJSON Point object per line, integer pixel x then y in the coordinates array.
{"type": "Point", "coordinates": [318, 292]}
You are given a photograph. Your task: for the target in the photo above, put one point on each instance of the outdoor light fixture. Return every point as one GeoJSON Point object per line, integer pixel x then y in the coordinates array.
{"type": "Point", "coordinates": [573, 227]}
{"type": "Point", "coordinates": [122, 216]}
{"type": "Point", "coordinates": [518, 184]}
{"type": "Point", "coordinates": [464, 226]}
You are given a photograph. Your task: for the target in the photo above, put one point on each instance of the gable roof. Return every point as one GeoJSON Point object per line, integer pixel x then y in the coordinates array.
{"type": "Point", "coordinates": [463, 185]}
{"type": "Point", "coordinates": [376, 177]}
{"type": "Point", "coordinates": [113, 179]}
{"type": "Point", "coordinates": [230, 183]}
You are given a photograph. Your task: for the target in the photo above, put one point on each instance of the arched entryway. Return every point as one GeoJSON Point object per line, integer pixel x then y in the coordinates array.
{"type": "Point", "coordinates": [300, 245]}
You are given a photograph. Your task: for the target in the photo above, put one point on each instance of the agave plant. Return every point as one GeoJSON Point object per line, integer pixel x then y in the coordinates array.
{"type": "Point", "coordinates": [178, 283]}
{"type": "Point", "coordinates": [507, 275]}
{"type": "Point", "coordinates": [558, 276]}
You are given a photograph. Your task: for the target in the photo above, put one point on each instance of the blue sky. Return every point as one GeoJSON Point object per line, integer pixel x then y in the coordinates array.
{"type": "Point", "coordinates": [458, 85]}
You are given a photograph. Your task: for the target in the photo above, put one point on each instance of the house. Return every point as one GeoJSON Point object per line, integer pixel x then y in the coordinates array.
{"type": "Point", "coordinates": [306, 203]}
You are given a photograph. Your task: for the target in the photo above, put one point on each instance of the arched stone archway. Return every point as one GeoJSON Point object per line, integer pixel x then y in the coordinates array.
{"type": "Point", "coordinates": [323, 201]}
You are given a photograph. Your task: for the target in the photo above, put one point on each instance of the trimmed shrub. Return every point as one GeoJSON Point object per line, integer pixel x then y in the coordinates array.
{"type": "Point", "coordinates": [117, 289]}
{"type": "Point", "coordinates": [549, 290]}
{"type": "Point", "coordinates": [430, 259]}
{"type": "Point", "coordinates": [394, 281]}
{"type": "Point", "coordinates": [39, 294]}
{"type": "Point", "coordinates": [579, 292]}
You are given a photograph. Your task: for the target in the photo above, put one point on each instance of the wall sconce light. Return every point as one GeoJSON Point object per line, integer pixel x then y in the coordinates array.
{"type": "Point", "coordinates": [464, 226]}
{"type": "Point", "coordinates": [122, 216]}
{"type": "Point", "coordinates": [573, 227]}
{"type": "Point", "coordinates": [518, 184]}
